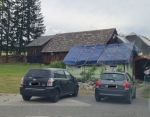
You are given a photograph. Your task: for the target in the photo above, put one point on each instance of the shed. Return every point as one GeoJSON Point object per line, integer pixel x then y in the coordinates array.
{"type": "Point", "coordinates": [60, 45]}
{"type": "Point", "coordinates": [34, 49]}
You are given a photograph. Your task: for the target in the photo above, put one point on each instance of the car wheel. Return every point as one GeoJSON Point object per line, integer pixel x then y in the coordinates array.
{"type": "Point", "coordinates": [97, 97]}
{"type": "Point", "coordinates": [129, 99]}
{"type": "Point", "coordinates": [26, 98]}
{"type": "Point", "coordinates": [75, 93]}
{"type": "Point", "coordinates": [55, 97]}
{"type": "Point", "coordinates": [134, 96]}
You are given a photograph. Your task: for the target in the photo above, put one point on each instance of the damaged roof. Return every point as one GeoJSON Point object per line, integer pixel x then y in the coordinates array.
{"type": "Point", "coordinates": [64, 42]}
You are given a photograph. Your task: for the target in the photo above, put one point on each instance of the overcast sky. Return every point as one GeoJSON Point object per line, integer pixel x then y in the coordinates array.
{"type": "Point", "coordinates": [81, 15]}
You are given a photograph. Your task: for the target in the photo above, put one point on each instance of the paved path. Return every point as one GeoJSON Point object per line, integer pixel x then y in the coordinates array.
{"type": "Point", "coordinates": [12, 105]}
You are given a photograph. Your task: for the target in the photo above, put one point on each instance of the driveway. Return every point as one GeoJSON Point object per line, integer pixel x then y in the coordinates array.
{"type": "Point", "coordinates": [12, 105]}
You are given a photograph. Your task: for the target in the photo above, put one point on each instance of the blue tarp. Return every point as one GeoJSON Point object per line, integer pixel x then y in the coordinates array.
{"type": "Point", "coordinates": [101, 54]}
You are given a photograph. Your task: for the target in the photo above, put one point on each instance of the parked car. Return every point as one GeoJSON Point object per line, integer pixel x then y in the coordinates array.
{"type": "Point", "coordinates": [115, 84]}
{"type": "Point", "coordinates": [48, 82]}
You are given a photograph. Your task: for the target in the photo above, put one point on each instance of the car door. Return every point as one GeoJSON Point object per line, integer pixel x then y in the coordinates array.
{"type": "Point", "coordinates": [62, 80]}
{"type": "Point", "coordinates": [130, 80]}
{"type": "Point", "coordinates": [70, 84]}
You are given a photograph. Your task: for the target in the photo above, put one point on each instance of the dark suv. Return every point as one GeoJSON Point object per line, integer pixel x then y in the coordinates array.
{"type": "Point", "coordinates": [48, 82]}
{"type": "Point", "coordinates": [115, 84]}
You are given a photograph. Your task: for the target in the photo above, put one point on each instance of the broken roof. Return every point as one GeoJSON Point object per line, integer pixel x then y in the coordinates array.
{"type": "Point", "coordinates": [101, 54]}
{"type": "Point", "coordinates": [64, 42]}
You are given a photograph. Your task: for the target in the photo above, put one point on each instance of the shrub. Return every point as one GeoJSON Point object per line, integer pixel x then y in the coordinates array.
{"type": "Point", "coordinates": [87, 75]}
{"type": "Point", "coordinates": [119, 69]}
{"type": "Point", "coordinates": [57, 64]}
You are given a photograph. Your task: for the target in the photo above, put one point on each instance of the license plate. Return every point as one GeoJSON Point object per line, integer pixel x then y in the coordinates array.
{"type": "Point", "coordinates": [34, 83]}
{"type": "Point", "coordinates": [112, 86]}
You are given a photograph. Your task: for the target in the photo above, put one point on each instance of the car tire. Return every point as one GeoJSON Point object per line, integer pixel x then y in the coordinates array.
{"type": "Point", "coordinates": [26, 98]}
{"type": "Point", "coordinates": [129, 100]}
{"type": "Point", "coordinates": [97, 97]}
{"type": "Point", "coordinates": [55, 97]}
{"type": "Point", "coordinates": [134, 96]}
{"type": "Point", "coordinates": [75, 93]}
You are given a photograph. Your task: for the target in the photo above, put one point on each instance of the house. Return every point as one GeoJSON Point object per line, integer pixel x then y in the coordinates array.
{"type": "Point", "coordinates": [141, 63]}
{"type": "Point", "coordinates": [58, 47]}
{"type": "Point", "coordinates": [142, 43]}
{"type": "Point", "coordinates": [106, 57]}
{"type": "Point", "coordinates": [34, 49]}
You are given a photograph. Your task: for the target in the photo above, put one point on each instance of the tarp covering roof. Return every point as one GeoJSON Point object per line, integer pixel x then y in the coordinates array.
{"type": "Point", "coordinates": [101, 54]}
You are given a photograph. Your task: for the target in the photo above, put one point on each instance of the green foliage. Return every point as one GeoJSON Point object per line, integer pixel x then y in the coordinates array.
{"type": "Point", "coordinates": [103, 69]}
{"type": "Point", "coordinates": [119, 69]}
{"type": "Point", "coordinates": [57, 64]}
{"type": "Point", "coordinates": [87, 75]}
{"type": "Point", "coordinates": [21, 22]}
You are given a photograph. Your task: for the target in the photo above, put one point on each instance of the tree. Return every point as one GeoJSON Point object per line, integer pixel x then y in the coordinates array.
{"type": "Point", "coordinates": [7, 25]}
{"type": "Point", "coordinates": [28, 21]}
{"type": "Point", "coordinates": [1, 25]}
{"type": "Point", "coordinates": [20, 23]}
{"type": "Point", "coordinates": [34, 25]}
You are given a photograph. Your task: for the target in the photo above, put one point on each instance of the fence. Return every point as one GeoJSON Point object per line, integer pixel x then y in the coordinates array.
{"type": "Point", "coordinates": [12, 59]}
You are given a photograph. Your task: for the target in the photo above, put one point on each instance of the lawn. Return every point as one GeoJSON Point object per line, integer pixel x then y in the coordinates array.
{"type": "Point", "coordinates": [11, 74]}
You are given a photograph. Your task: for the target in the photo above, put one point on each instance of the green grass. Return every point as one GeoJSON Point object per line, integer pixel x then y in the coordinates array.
{"type": "Point", "coordinates": [11, 74]}
{"type": "Point", "coordinates": [139, 85]}
{"type": "Point", "coordinates": [146, 93]}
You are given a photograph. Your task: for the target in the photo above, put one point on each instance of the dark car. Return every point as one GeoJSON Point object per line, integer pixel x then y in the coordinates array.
{"type": "Point", "coordinates": [115, 84]}
{"type": "Point", "coordinates": [48, 82]}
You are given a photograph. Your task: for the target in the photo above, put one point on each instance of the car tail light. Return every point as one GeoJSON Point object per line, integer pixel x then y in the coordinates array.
{"type": "Point", "coordinates": [50, 82]}
{"type": "Point", "coordinates": [98, 83]}
{"type": "Point", "coordinates": [22, 81]}
{"type": "Point", "coordinates": [126, 84]}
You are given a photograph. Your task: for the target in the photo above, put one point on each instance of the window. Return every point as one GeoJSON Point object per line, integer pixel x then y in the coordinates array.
{"type": "Point", "coordinates": [38, 73]}
{"type": "Point", "coordinates": [113, 76]}
{"type": "Point", "coordinates": [59, 74]}
{"type": "Point", "coordinates": [68, 75]}
{"type": "Point", "coordinates": [77, 67]}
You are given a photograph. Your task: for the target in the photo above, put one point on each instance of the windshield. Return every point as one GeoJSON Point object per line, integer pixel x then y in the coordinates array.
{"type": "Point", "coordinates": [38, 73]}
{"type": "Point", "coordinates": [113, 76]}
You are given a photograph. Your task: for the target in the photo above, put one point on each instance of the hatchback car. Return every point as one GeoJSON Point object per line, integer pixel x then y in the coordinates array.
{"type": "Point", "coordinates": [115, 84]}
{"type": "Point", "coordinates": [48, 82]}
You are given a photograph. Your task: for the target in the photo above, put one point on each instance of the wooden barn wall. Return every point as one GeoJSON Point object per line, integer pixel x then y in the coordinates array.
{"type": "Point", "coordinates": [50, 57]}
{"type": "Point", "coordinates": [34, 54]}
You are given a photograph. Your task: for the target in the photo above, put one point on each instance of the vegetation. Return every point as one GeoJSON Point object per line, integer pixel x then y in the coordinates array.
{"type": "Point", "coordinates": [120, 69]}
{"type": "Point", "coordinates": [87, 75]}
{"type": "Point", "coordinates": [57, 64]}
{"type": "Point", "coordinates": [146, 93]}
{"type": "Point", "coordinates": [20, 23]}
{"type": "Point", "coordinates": [11, 74]}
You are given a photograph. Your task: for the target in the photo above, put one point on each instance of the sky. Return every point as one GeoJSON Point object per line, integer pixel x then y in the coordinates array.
{"type": "Point", "coordinates": [62, 16]}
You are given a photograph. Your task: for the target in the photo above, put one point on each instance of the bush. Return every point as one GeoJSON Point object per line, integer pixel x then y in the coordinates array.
{"type": "Point", "coordinates": [88, 75]}
{"type": "Point", "coordinates": [57, 64]}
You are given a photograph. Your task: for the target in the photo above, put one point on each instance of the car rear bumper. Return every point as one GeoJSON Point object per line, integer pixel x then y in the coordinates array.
{"type": "Point", "coordinates": [112, 93]}
{"type": "Point", "coordinates": [47, 92]}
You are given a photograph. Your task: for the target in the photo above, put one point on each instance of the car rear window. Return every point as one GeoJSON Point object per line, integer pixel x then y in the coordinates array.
{"type": "Point", "coordinates": [38, 73]}
{"type": "Point", "coordinates": [113, 76]}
